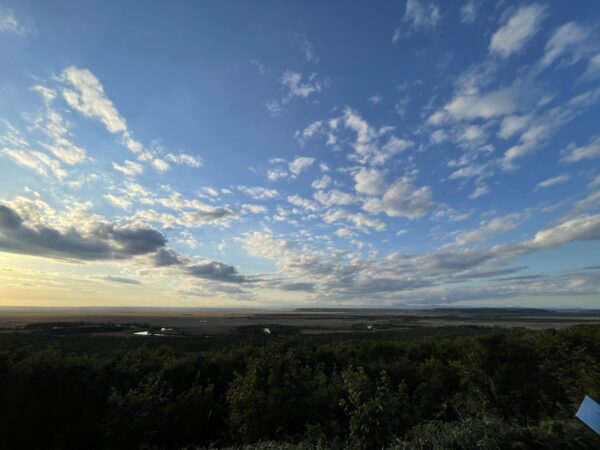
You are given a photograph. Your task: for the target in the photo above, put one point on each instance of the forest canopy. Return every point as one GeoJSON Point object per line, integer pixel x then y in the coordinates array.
{"type": "Point", "coordinates": [501, 389]}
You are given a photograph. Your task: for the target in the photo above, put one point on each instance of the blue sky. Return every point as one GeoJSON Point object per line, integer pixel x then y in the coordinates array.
{"type": "Point", "coordinates": [278, 154]}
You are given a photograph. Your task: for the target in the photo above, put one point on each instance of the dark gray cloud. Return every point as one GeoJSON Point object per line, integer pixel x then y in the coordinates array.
{"type": "Point", "coordinates": [459, 261]}
{"type": "Point", "coordinates": [216, 271]}
{"type": "Point", "coordinates": [121, 280]}
{"type": "Point", "coordinates": [166, 257]}
{"type": "Point", "coordinates": [488, 273]}
{"type": "Point", "coordinates": [299, 286]}
{"type": "Point", "coordinates": [105, 241]}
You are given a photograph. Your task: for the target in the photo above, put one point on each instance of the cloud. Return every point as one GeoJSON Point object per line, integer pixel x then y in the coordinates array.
{"type": "Point", "coordinates": [473, 105]}
{"type": "Point", "coordinates": [216, 271]}
{"type": "Point", "coordinates": [308, 51]}
{"type": "Point", "coordinates": [113, 279]}
{"type": "Point", "coordinates": [57, 131]}
{"type": "Point", "coordinates": [321, 183]}
{"type": "Point", "coordinates": [511, 125]}
{"type": "Point", "coordinates": [402, 199]}
{"type": "Point", "coordinates": [185, 159]}
{"type": "Point", "coordinates": [554, 181]}
{"type": "Point", "coordinates": [86, 94]}
{"type": "Point", "coordinates": [438, 136]}
{"type": "Point", "coordinates": [300, 164]}
{"type": "Point", "coordinates": [258, 193]}
{"type": "Point", "coordinates": [119, 202]}
{"type": "Point", "coordinates": [128, 168]}
{"type": "Point", "coordinates": [590, 151]}
{"type": "Point", "coordinates": [468, 12]}
{"type": "Point", "coordinates": [254, 209]}
{"type": "Point", "coordinates": [277, 173]}
{"type": "Point", "coordinates": [521, 26]}
{"type": "Point", "coordinates": [367, 146]}
{"type": "Point", "coordinates": [334, 197]}
{"type": "Point", "coordinates": [38, 161]}
{"type": "Point", "coordinates": [89, 99]}
{"type": "Point", "coordinates": [301, 202]}
{"type": "Point", "coordinates": [296, 88]}
{"type": "Point", "coordinates": [542, 127]}
{"type": "Point", "coordinates": [375, 99]}
{"type": "Point", "coordinates": [160, 165]}
{"type": "Point", "coordinates": [274, 107]}
{"type": "Point", "coordinates": [487, 230]}
{"type": "Point", "coordinates": [297, 286]}
{"type": "Point", "coordinates": [344, 233]}
{"type": "Point", "coordinates": [99, 241]}
{"type": "Point", "coordinates": [593, 68]}
{"type": "Point", "coordinates": [583, 228]}
{"type": "Point", "coordinates": [570, 39]}
{"type": "Point", "coordinates": [10, 24]}
{"type": "Point", "coordinates": [369, 181]}
{"type": "Point", "coordinates": [60, 144]}
{"type": "Point", "coordinates": [359, 220]}
{"type": "Point", "coordinates": [479, 191]}
{"type": "Point", "coordinates": [418, 16]}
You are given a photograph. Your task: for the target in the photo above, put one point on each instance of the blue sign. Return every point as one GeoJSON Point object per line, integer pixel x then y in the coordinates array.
{"type": "Point", "coordinates": [589, 413]}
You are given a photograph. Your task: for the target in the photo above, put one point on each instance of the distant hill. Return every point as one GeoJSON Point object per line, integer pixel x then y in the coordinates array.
{"type": "Point", "coordinates": [462, 310]}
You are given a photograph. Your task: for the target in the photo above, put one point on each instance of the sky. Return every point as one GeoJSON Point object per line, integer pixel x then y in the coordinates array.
{"type": "Point", "coordinates": [281, 154]}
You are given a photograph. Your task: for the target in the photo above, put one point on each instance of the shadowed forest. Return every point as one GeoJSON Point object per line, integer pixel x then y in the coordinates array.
{"type": "Point", "coordinates": [495, 389]}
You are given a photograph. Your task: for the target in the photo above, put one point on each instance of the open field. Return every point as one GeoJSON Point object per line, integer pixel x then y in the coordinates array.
{"type": "Point", "coordinates": [193, 322]}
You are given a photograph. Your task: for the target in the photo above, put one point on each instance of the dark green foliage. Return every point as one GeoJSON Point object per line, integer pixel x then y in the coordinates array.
{"type": "Point", "coordinates": [502, 389]}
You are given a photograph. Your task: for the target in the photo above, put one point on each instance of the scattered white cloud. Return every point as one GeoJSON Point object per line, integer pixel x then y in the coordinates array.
{"type": "Point", "coordinates": [487, 229]}
{"type": "Point", "coordinates": [438, 136]}
{"type": "Point", "coordinates": [300, 164]}
{"type": "Point", "coordinates": [420, 15]}
{"type": "Point", "coordinates": [511, 125]}
{"type": "Point", "coordinates": [593, 68]}
{"type": "Point", "coordinates": [554, 180]}
{"type": "Point", "coordinates": [38, 161]}
{"type": "Point", "coordinates": [334, 198]}
{"type": "Point", "coordinates": [119, 202]}
{"type": "Point", "coordinates": [129, 168]}
{"type": "Point", "coordinates": [473, 105]}
{"type": "Point", "coordinates": [589, 151]}
{"type": "Point", "coordinates": [308, 51]}
{"type": "Point", "coordinates": [468, 12]}
{"type": "Point", "coordinates": [301, 202]}
{"type": "Point", "coordinates": [10, 24]}
{"type": "Point", "coordinates": [359, 220]}
{"type": "Point", "coordinates": [402, 199]}
{"type": "Point", "coordinates": [185, 159]}
{"type": "Point", "coordinates": [583, 228]}
{"type": "Point", "coordinates": [254, 209]}
{"type": "Point", "coordinates": [160, 164]}
{"type": "Point", "coordinates": [571, 41]}
{"type": "Point", "coordinates": [519, 28]}
{"type": "Point", "coordinates": [369, 181]}
{"type": "Point", "coordinates": [258, 193]}
{"type": "Point", "coordinates": [277, 173]}
{"type": "Point", "coordinates": [479, 191]}
{"type": "Point", "coordinates": [322, 182]}
{"type": "Point", "coordinates": [297, 88]}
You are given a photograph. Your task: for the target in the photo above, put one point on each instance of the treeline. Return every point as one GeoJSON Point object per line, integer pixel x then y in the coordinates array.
{"type": "Point", "coordinates": [508, 389]}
